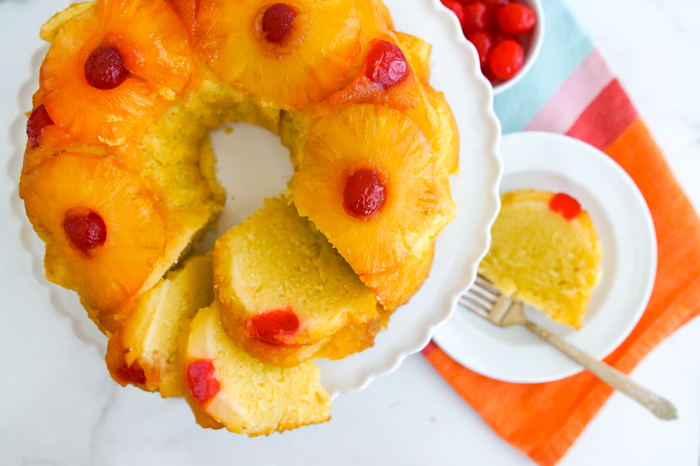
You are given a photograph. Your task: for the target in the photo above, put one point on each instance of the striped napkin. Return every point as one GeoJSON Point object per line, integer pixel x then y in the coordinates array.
{"type": "Point", "coordinates": [570, 90]}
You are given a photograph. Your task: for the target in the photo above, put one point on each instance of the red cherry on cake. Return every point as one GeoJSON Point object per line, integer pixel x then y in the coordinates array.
{"type": "Point", "coordinates": [506, 59]}
{"type": "Point", "coordinates": [277, 23]}
{"type": "Point", "coordinates": [85, 229]}
{"type": "Point", "coordinates": [104, 68]}
{"type": "Point", "coordinates": [271, 327]}
{"type": "Point", "coordinates": [364, 193]}
{"type": "Point", "coordinates": [132, 374]}
{"type": "Point", "coordinates": [516, 19]}
{"type": "Point", "coordinates": [457, 8]}
{"type": "Point", "coordinates": [201, 381]}
{"type": "Point", "coordinates": [386, 64]}
{"type": "Point", "coordinates": [483, 42]}
{"type": "Point", "coordinates": [565, 205]}
{"type": "Point", "coordinates": [37, 121]}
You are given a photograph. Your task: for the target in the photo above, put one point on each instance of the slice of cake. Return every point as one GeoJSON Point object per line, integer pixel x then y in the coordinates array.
{"type": "Point", "coordinates": [167, 344]}
{"type": "Point", "coordinates": [546, 252]}
{"type": "Point", "coordinates": [144, 351]}
{"type": "Point", "coordinates": [228, 388]}
{"type": "Point", "coordinates": [286, 293]}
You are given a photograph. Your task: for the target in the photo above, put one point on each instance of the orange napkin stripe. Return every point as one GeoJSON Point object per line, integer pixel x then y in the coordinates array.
{"type": "Point", "coordinates": [544, 420]}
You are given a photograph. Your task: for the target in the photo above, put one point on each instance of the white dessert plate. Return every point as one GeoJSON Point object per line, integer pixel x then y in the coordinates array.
{"type": "Point", "coordinates": [558, 163]}
{"type": "Point", "coordinates": [254, 165]}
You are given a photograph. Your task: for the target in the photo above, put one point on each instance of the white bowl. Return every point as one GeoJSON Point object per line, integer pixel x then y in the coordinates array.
{"type": "Point", "coordinates": [531, 49]}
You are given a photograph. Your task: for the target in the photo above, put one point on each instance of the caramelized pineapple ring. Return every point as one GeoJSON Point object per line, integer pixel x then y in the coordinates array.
{"type": "Point", "coordinates": [108, 260]}
{"type": "Point", "coordinates": [387, 142]}
{"type": "Point", "coordinates": [396, 285]}
{"type": "Point", "coordinates": [287, 55]}
{"type": "Point", "coordinates": [371, 85]}
{"type": "Point", "coordinates": [187, 11]}
{"type": "Point", "coordinates": [112, 65]}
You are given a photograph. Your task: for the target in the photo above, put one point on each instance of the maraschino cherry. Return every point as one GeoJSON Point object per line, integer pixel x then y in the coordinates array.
{"type": "Point", "coordinates": [273, 326]}
{"type": "Point", "coordinates": [278, 22]}
{"type": "Point", "coordinates": [201, 381]}
{"type": "Point", "coordinates": [104, 69]}
{"type": "Point", "coordinates": [85, 229]}
{"type": "Point", "coordinates": [386, 64]}
{"type": "Point", "coordinates": [38, 120]}
{"type": "Point", "coordinates": [364, 193]}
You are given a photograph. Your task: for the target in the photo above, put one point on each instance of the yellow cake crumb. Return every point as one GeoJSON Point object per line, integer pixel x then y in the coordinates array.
{"type": "Point", "coordinates": [543, 259]}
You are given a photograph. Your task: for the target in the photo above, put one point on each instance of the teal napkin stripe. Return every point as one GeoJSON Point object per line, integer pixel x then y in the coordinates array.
{"type": "Point", "coordinates": [566, 44]}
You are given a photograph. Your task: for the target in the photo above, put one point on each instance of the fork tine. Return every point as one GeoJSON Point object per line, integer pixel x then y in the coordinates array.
{"type": "Point", "coordinates": [483, 283]}
{"type": "Point", "coordinates": [464, 301]}
{"type": "Point", "coordinates": [483, 292]}
{"type": "Point", "coordinates": [476, 298]}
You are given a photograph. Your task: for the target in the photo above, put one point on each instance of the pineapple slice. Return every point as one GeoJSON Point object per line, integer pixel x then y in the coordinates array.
{"type": "Point", "coordinates": [395, 286]}
{"type": "Point", "coordinates": [402, 95]}
{"type": "Point", "coordinates": [376, 22]}
{"type": "Point", "coordinates": [44, 139]}
{"type": "Point", "coordinates": [286, 293]}
{"type": "Point", "coordinates": [49, 30]}
{"type": "Point", "coordinates": [418, 54]}
{"type": "Point", "coordinates": [285, 55]}
{"type": "Point", "coordinates": [144, 351]}
{"type": "Point", "coordinates": [149, 61]}
{"type": "Point", "coordinates": [434, 115]}
{"type": "Point", "coordinates": [228, 388]}
{"type": "Point", "coordinates": [374, 159]}
{"type": "Point", "coordinates": [445, 134]}
{"type": "Point", "coordinates": [363, 89]}
{"type": "Point", "coordinates": [103, 227]}
{"type": "Point", "coordinates": [384, 13]}
{"type": "Point", "coordinates": [187, 10]}
{"type": "Point", "coordinates": [414, 96]}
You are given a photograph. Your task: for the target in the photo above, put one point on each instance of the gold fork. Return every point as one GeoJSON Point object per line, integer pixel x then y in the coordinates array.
{"type": "Point", "coordinates": [483, 299]}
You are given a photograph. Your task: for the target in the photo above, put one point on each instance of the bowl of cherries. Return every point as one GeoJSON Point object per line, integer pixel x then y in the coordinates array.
{"type": "Point", "coordinates": [507, 34]}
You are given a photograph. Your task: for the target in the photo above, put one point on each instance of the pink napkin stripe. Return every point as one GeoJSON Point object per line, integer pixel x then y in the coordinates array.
{"type": "Point", "coordinates": [575, 95]}
{"type": "Point", "coordinates": [606, 118]}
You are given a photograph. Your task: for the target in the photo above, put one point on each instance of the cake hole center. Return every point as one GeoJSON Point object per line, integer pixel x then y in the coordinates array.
{"type": "Point", "coordinates": [251, 165]}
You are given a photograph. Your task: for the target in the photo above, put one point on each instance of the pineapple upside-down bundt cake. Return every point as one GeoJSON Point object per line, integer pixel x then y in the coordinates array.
{"type": "Point", "coordinates": [119, 181]}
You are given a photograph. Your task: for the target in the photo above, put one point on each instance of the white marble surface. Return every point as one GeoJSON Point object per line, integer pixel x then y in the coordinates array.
{"type": "Point", "coordinates": [59, 405]}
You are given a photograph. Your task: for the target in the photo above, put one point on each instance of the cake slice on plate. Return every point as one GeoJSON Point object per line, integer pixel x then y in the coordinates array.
{"type": "Point", "coordinates": [546, 252]}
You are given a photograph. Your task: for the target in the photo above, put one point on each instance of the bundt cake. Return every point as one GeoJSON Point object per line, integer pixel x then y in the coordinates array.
{"type": "Point", "coordinates": [546, 252]}
{"type": "Point", "coordinates": [119, 181]}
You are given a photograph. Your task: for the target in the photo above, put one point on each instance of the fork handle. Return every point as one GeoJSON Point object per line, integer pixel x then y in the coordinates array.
{"type": "Point", "coordinates": [659, 407]}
